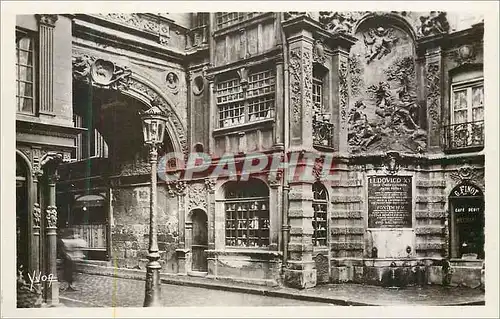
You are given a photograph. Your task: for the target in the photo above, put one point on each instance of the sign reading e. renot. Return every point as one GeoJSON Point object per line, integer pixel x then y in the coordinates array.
{"type": "Point", "coordinates": [390, 201]}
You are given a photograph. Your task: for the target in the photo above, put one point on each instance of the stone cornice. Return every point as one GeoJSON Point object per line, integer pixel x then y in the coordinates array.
{"type": "Point", "coordinates": [47, 129]}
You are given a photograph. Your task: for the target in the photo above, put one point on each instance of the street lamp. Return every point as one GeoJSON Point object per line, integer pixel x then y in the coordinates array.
{"type": "Point", "coordinates": [153, 127]}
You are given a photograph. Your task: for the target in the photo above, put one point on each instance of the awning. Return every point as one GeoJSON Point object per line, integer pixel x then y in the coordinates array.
{"type": "Point", "coordinates": [90, 201]}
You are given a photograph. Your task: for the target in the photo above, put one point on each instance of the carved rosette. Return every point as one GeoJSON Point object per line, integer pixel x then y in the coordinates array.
{"type": "Point", "coordinates": [343, 91]}
{"type": "Point", "coordinates": [433, 98]}
{"type": "Point", "coordinates": [37, 215]}
{"type": "Point", "coordinates": [197, 197]}
{"type": "Point", "coordinates": [48, 20]}
{"type": "Point", "coordinates": [51, 216]}
{"type": "Point", "coordinates": [295, 85]}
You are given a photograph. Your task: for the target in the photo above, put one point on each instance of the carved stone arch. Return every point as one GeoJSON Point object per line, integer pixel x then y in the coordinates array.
{"type": "Point", "coordinates": [189, 217]}
{"type": "Point", "coordinates": [26, 160]}
{"type": "Point", "coordinates": [148, 93]}
{"type": "Point", "coordinates": [387, 17]}
{"type": "Point", "coordinates": [103, 73]}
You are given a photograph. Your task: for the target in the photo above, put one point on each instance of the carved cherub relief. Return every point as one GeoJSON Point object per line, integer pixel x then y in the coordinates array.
{"type": "Point", "coordinates": [378, 43]}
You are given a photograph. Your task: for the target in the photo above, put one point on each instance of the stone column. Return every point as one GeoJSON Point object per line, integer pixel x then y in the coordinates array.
{"type": "Point", "coordinates": [300, 271]}
{"type": "Point", "coordinates": [210, 187]}
{"type": "Point", "coordinates": [36, 223]}
{"type": "Point", "coordinates": [433, 75]}
{"type": "Point", "coordinates": [52, 288]}
{"type": "Point", "coordinates": [46, 62]}
{"type": "Point", "coordinates": [275, 209]}
{"type": "Point", "coordinates": [279, 110]}
{"type": "Point", "coordinates": [340, 45]}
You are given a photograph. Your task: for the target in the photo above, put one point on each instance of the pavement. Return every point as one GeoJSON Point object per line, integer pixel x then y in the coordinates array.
{"type": "Point", "coordinates": [126, 289]}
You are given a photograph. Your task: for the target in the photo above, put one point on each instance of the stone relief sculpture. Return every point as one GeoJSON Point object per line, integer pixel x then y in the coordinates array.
{"type": "Point", "coordinates": [434, 23]}
{"type": "Point", "coordinates": [378, 43]}
{"type": "Point", "coordinates": [342, 22]}
{"type": "Point", "coordinates": [384, 112]}
{"type": "Point", "coordinates": [101, 72]}
{"type": "Point", "coordinates": [172, 82]}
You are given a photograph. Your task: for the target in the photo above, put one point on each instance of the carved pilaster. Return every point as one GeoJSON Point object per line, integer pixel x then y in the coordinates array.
{"type": "Point", "coordinates": [433, 70]}
{"type": "Point", "coordinates": [46, 62]}
{"type": "Point", "coordinates": [300, 69]}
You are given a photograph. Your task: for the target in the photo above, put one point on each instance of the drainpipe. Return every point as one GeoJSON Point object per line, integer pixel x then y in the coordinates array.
{"type": "Point", "coordinates": [286, 188]}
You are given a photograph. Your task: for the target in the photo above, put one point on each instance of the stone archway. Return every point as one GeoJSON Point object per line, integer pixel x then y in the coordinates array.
{"type": "Point", "coordinates": [103, 73]}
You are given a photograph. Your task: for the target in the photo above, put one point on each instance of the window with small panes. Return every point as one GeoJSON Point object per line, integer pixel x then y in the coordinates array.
{"type": "Point", "coordinates": [246, 206]}
{"type": "Point", "coordinates": [320, 217]}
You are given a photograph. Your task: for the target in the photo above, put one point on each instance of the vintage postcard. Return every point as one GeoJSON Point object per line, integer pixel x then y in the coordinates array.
{"type": "Point", "coordinates": [248, 159]}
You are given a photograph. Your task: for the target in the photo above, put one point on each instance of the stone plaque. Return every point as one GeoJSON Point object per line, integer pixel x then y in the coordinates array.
{"type": "Point", "coordinates": [390, 201]}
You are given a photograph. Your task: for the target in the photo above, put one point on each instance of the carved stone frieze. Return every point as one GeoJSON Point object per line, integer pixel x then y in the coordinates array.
{"type": "Point", "coordinates": [142, 22]}
{"type": "Point", "coordinates": [294, 14]}
{"type": "Point", "coordinates": [197, 196]}
{"type": "Point", "coordinates": [432, 24]}
{"type": "Point", "coordinates": [210, 184]}
{"type": "Point", "coordinates": [307, 82]}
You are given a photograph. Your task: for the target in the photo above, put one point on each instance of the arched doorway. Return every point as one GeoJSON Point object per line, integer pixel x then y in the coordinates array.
{"type": "Point", "coordinates": [467, 221]}
{"type": "Point", "coordinates": [199, 241]}
{"type": "Point", "coordinates": [22, 213]}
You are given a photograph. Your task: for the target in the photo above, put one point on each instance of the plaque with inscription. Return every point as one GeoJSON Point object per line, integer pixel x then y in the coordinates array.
{"type": "Point", "coordinates": [390, 201]}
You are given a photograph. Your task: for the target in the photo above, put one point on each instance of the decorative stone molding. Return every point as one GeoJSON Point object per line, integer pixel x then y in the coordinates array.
{"type": "Point", "coordinates": [428, 214]}
{"type": "Point", "coordinates": [293, 14]}
{"type": "Point", "coordinates": [433, 24]}
{"type": "Point", "coordinates": [343, 91]}
{"type": "Point", "coordinates": [467, 173]}
{"type": "Point", "coordinates": [101, 73]}
{"type": "Point", "coordinates": [143, 22]}
{"type": "Point", "coordinates": [48, 20]}
{"type": "Point", "coordinates": [37, 215]}
{"type": "Point", "coordinates": [51, 216]}
{"type": "Point", "coordinates": [197, 197]}
{"type": "Point", "coordinates": [296, 80]}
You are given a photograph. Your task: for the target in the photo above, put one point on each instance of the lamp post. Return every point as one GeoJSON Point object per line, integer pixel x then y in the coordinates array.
{"type": "Point", "coordinates": [153, 127]}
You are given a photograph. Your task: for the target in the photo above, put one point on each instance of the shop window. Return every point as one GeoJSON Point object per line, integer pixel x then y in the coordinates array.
{"type": "Point", "coordinates": [225, 19]}
{"type": "Point", "coordinates": [250, 101]}
{"type": "Point", "coordinates": [246, 207]}
{"type": "Point", "coordinates": [466, 129]}
{"type": "Point", "coordinates": [25, 72]}
{"type": "Point", "coordinates": [467, 222]}
{"type": "Point", "coordinates": [320, 217]}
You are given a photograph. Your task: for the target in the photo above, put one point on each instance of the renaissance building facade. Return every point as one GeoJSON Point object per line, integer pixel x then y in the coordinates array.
{"type": "Point", "coordinates": [396, 99]}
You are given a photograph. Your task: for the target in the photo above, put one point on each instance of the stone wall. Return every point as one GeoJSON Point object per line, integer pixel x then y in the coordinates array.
{"type": "Point", "coordinates": [130, 228]}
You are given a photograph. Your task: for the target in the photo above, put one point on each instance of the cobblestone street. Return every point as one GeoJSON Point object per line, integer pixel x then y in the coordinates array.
{"type": "Point", "coordinates": [103, 291]}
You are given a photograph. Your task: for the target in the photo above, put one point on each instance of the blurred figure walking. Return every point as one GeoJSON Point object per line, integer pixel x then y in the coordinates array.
{"type": "Point", "coordinates": [72, 251]}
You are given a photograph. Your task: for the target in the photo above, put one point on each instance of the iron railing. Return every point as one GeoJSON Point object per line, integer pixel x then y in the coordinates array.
{"type": "Point", "coordinates": [464, 136]}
